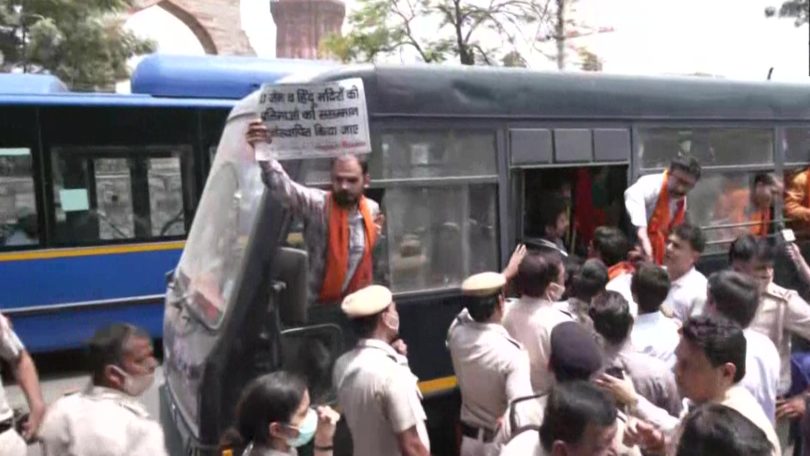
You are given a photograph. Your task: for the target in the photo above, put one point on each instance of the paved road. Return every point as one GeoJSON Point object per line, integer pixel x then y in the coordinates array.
{"type": "Point", "coordinates": [59, 374]}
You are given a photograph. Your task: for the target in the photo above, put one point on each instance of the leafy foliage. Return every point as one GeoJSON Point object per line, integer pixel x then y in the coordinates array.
{"type": "Point", "coordinates": [82, 42]}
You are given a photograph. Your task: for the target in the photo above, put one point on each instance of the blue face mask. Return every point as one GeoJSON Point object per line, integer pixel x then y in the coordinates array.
{"type": "Point", "coordinates": [306, 430]}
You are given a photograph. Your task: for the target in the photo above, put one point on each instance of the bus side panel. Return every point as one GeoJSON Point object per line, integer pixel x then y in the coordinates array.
{"type": "Point", "coordinates": [57, 303]}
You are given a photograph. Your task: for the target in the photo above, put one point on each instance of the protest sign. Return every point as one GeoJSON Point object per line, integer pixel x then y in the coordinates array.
{"type": "Point", "coordinates": [314, 120]}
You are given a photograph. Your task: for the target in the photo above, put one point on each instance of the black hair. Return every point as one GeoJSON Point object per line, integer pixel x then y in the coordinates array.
{"type": "Point", "coordinates": [571, 408]}
{"type": "Point", "coordinates": [735, 296]}
{"type": "Point", "coordinates": [362, 161]}
{"type": "Point", "coordinates": [748, 247]}
{"type": "Point", "coordinates": [481, 308]}
{"type": "Point", "coordinates": [650, 284]}
{"type": "Point", "coordinates": [611, 317]}
{"type": "Point", "coordinates": [717, 430]}
{"type": "Point", "coordinates": [108, 346]}
{"type": "Point", "coordinates": [764, 178]}
{"type": "Point", "coordinates": [611, 244]}
{"type": "Point", "coordinates": [691, 234]}
{"type": "Point", "coordinates": [363, 327]}
{"type": "Point", "coordinates": [720, 339]}
{"type": "Point", "coordinates": [537, 270]}
{"type": "Point", "coordinates": [687, 164]}
{"type": "Point", "coordinates": [549, 210]}
{"type": "Point", "coordinates": [589, 281]}
{"type": "Point", "coordinates": [271, 398]}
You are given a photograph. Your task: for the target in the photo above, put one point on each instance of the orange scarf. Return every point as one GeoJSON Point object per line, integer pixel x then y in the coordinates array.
{"type": "Point", "coordinates": [660, 224]}
{"type": "Point", "coordinates": [763, 220]}
{"type": "Point", "coordinates": [337, 252]}
{"type": "Point", "coordinates": [622, 267]}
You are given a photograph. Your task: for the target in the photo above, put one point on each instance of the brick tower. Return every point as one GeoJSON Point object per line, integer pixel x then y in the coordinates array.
{"type": "Point", "coordinates": [302, 24]}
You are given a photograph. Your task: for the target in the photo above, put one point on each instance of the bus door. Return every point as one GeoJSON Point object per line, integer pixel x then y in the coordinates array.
{"type": "Point", "coordinates": [566, 182]}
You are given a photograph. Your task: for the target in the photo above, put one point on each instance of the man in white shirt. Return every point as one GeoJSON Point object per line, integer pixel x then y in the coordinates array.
{"type": "Point", "coordinates": [653, 332]}
{"type": "Point", "coordinates": [736, 297]}
{"type": "Point", "coordinates": [540, 282]}
{"type": "Point", "coordinates": [611, 246]}
{"type": "Point", "coordinates": [657, 203]}
{"type": "Point", "coordinates": [106, 418]}
{"type": "Point", "coordinates": [687, 293]}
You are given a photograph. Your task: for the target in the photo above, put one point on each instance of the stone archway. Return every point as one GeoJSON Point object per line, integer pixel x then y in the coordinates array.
{"type": "Point", "coordinates": [215, 23]}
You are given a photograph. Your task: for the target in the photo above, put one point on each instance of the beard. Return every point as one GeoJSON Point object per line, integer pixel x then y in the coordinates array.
{"type": "Point", "coordinates": [345, 199]}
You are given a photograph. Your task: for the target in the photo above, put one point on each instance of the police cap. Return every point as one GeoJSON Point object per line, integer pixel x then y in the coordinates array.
{"type": "Point", "coordinates": [367, 301]}
{"type": "Point", "coordinates": [575, 355]}
{"type": "Point", "coordinates": [483, 284]}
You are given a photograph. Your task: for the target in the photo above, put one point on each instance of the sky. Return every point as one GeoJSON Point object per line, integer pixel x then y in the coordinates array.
{"type": "Point", "coordinates": [725, 38]}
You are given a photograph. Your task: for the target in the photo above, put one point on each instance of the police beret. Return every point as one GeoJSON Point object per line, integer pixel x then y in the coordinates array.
{"type": "Point", "coordinates": [483, 284]}
{"type": "Point", "coordinates": [370, 300]}
{"type": "Point", "coordinates": [575, 354]}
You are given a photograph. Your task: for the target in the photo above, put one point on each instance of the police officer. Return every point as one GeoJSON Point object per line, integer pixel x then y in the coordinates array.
{"type": "Point", "coordinates": [106, 418]}
{"type": "Point", "coordinates": [25, 372]}
{"type": "Point", "coordinates": [376, 389]}
{"type": "Point", "coordinates": [491, 367]}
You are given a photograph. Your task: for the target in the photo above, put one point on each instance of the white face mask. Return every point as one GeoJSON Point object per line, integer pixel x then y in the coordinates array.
{"type": "Point", "coordinates": [135, 385]}
{"type": "Point", "coordinates": [554, 291]}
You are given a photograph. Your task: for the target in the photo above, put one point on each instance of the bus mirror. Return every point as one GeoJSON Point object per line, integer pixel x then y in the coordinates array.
{"type": "Point", "coordinates": [291, 299]}
{"type": "Point", "coordinates": [311, 352]}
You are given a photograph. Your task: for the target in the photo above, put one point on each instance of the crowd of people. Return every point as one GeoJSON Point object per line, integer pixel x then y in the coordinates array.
{"type": "Point", "coordinates": [631, 351]}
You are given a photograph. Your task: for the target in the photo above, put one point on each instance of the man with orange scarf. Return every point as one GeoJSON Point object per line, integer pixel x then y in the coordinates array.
{"type": "Point", "coordinates": [341, 226]}
{"type": "Point", "coordinates": [657, 203]}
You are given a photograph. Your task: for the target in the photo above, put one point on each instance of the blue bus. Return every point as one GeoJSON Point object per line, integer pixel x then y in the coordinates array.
{"type": "Point", "coordinates": [97, 191]}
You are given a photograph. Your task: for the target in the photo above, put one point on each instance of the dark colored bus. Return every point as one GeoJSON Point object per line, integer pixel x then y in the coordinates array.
{"type": "Point", "coordinates": [460, 157]}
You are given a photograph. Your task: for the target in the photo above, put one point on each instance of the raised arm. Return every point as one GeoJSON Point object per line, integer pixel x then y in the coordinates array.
{"type": "Point", "coordinates": [305, 201]}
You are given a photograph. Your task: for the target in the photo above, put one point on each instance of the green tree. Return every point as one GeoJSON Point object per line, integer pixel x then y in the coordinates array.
{"type": "Point", "coordinates": [457, 30]}
{"type": "Point", "coordinates": [796, 9]}
{"type": "Point", "coordinates": [83, 42]}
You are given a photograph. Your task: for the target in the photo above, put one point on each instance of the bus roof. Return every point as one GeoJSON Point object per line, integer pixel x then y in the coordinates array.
{"type": "Point", "coordinates": [18, 83]}
{"type": "Point", "coordinates": [508, 93]}
{"type": "Point", "coordinates": [228, 77]}
{"type": "Point", "coordinates": [109, 100]}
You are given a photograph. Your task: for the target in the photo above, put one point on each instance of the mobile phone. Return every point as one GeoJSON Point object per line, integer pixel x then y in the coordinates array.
{"type": "Point", "coordinates": [614, 371]}
{"type": "Point", "coordinates": [788, 235]}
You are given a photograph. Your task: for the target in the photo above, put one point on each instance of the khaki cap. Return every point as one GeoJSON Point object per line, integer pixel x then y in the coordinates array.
{"type": "Point", "coordinates": [370, 300]}
{"type": "Point", "coordinates": [483, 284]}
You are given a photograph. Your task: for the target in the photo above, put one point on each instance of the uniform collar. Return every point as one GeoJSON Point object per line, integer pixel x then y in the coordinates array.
{"type": "Point", "coordinates": [385, 347]}
{"type": "Point", "coordinates": [102, 393]}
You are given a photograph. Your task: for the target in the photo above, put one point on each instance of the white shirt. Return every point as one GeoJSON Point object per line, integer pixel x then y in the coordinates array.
{"type": "Point", "coordinates": [687, 295]}
{"type": "Point", "coordinates": [656, 335]}
{"type": "Point", "coordinates": [761, 371]}
{"type": "Point", "coordinates": [10, 350]}
{"type": "Point", "coordinates": [621, 285]}
{"type": "Point", "coordinates": [530, 321]}
{"type": "Point", "coordinates": [641, 198]}
{"type": "Point", "coordinates": [100, 422]}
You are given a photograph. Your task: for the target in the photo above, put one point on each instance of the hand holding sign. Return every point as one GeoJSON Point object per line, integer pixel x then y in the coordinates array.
{"type": "Point", "coordinates": [313, 120]}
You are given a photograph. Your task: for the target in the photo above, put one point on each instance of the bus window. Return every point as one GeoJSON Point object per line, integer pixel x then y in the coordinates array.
{"type": "Point", "coordinates": [589, 197]}
{"type": "Point", "coordinates": [438, 231]}
{"type": "Point", "coordinates": [111, 193]}
{"type": "Point", "coordinates": [729, 204]}
{"type": "Point", "coordinates": [711, 147]}
{"type": "Point", "coordinates": [18, 213]}
{"type": "Point", "coordinates": [797, 184]}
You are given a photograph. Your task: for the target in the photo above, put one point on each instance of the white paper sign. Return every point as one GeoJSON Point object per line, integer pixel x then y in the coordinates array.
{"type": "Point", "coordinates": [314, 120]}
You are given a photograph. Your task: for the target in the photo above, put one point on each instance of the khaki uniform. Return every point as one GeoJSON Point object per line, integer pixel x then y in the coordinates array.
{"type": "Point", "coordinates": [530, 321]}
{"type": "Point", "coordinates": [379, 398]}
{"type": "Point", "coordinates": [492, 369]}
{"type": "Point", "coordinates": [100, 422]}
{"type": "Point", "coordinates": [651, 377]}
{"type": "Point", "coordinates": [11, 444]}
{"type": "Point", "coordinates": [782, 312]}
